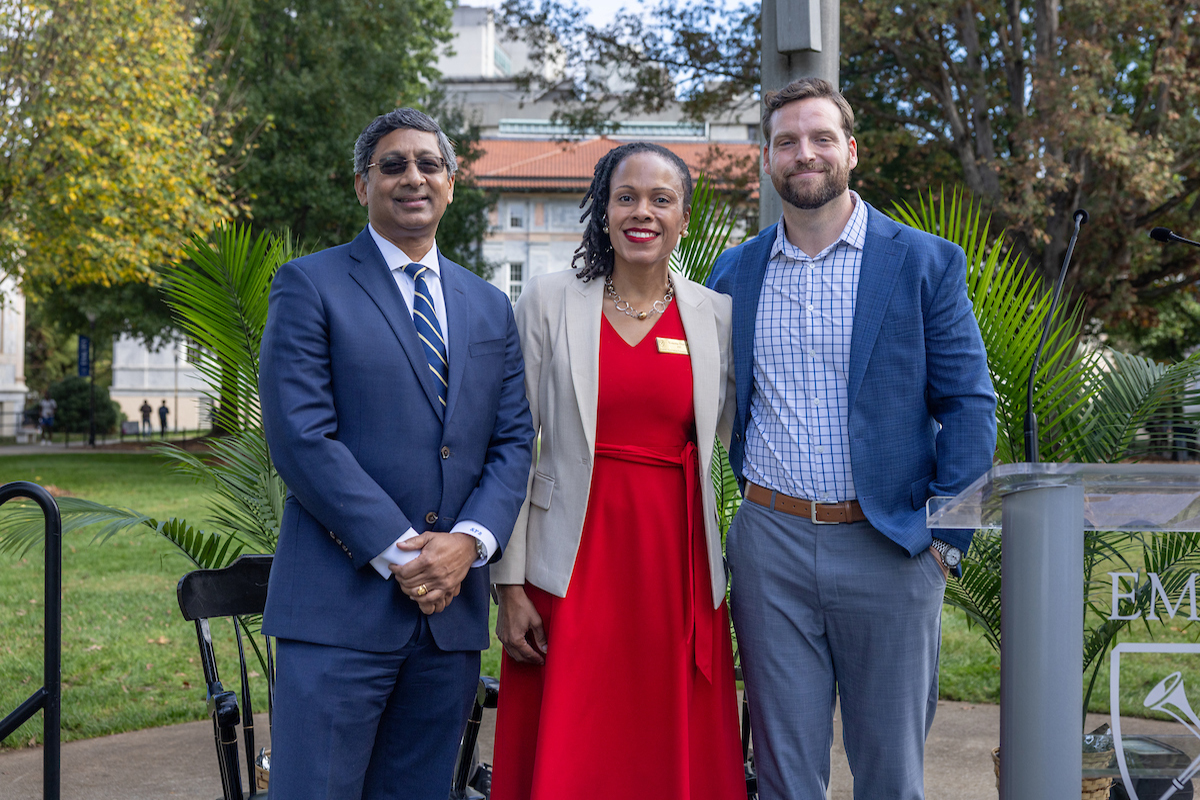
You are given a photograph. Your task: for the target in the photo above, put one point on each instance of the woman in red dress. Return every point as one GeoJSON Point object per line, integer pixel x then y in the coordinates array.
{"type": "Point", "coordinates": [618, 673]}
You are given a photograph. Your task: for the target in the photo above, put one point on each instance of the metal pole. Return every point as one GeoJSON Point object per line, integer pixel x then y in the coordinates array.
{"type": "Point", "coordinates": [49, 696]}
{"type": "Point", "coordinates": [1041, 643]}
{"type": "Point", "coordinates": [780, 67]}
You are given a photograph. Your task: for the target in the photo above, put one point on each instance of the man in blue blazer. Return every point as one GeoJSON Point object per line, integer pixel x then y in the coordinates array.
{"type": "Point", "coordinates": [394, 405]}
{"type": "Point", "coordinates": [862, 390]}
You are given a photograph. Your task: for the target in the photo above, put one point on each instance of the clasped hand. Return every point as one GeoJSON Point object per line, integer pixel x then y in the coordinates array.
{"type": "Point", "coordinates": [443, 564]}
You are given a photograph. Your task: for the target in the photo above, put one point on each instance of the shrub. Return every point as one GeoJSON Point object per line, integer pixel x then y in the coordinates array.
{"type": "Point", "coordinates": [72, 395]}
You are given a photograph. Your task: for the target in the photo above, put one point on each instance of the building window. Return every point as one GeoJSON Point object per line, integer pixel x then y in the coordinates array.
{"type": "Point", "coordinates": [516, 280]}
{"type": "Point", "coordinates": [502, 62]}
{"type": "Point", "coordinates": [516, 216]}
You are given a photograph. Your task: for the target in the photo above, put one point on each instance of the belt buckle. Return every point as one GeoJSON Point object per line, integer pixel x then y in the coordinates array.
{"type": "Point", "coordinates": [812, 515]}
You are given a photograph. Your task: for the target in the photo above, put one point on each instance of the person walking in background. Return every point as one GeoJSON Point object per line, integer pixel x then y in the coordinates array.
{"type": "Point", "coordinates": [147, 426]}
{"type": "Point", "coordinates": [163, 412]}
{"type": "Point", "coordinates": [862, 390]}
{"type": "Point", "coordinates": [617, 671]}
{"type": "Point", "coordinates": [393, 401]}
{"type": "Point", "coordinates": [49, 407]}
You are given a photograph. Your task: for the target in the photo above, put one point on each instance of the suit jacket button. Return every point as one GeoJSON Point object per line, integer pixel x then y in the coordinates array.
{"type": "Point", "coordinates": [445, 452]}
{"type": "Point", "coordinates": [431, 517]}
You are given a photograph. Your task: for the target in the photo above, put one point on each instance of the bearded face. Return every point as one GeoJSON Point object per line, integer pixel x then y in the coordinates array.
{"type": "Point", "coordinates": [809, 156]}
{"type": "Point", "coordinates": [812, 185]}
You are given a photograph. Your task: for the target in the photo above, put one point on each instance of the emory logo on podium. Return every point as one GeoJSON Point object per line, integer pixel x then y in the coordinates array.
{"type": "Point", "coordinates": [1168, 697]}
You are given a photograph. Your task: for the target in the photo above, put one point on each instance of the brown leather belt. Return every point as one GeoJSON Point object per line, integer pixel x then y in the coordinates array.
{"type": "Point", "coordinates": [819, 513]}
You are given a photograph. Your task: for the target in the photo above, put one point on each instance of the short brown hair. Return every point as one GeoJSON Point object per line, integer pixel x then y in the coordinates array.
{"type": "Point", "coordinates": [803, 89]}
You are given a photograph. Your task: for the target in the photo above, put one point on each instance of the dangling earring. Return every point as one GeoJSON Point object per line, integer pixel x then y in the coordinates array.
{"type": "Point", "coordinates": [606, 224]}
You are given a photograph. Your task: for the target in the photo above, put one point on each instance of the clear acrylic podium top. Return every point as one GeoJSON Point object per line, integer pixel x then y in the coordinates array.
{"type": "Point", "coordinates": [1116, 497]}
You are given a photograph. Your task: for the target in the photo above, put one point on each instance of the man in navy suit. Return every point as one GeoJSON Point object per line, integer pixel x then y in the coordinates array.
{"type": "Point", "coordinates": [862, 390]}
{"type": "Point", "coordinates": [393, 401]}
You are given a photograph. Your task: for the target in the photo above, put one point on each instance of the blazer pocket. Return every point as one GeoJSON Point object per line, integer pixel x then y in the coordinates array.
{"type": "Point", "coordinates": [541, 491]}
{"type": "Point", "coordinates": [487, 348]}
{"type": "Point", "coordinates": [920, 491]}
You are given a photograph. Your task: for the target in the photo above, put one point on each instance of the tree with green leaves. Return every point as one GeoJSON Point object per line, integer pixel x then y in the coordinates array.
{"type": "Point", "coordinates": [308, 77]}
{"type": "Point", "coordinates": [1037, 110]}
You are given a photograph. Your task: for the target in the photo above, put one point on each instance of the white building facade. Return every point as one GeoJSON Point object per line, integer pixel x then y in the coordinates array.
{"type": "Point", "coordinates": [12, 358]}
{"type": "Point", "coordinates": [156, 375]}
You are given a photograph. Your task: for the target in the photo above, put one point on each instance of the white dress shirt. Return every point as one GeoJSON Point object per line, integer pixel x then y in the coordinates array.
{"type": "Point", "coordinates": [397, 260]}
{"type": "Point", "coordinates": [798, 437]}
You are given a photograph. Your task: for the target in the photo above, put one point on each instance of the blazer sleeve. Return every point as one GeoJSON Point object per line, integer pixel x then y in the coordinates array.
{"type": "Point", "coordinates": [958, 391]}
{"type": "Point", "coordinates": [531, 328]}
{"type": "Point", "coordinates": [301, 423]}
{"type": "Point", "coordinates": [723, 305]}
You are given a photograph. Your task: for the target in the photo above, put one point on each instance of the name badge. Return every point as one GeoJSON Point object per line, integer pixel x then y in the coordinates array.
{"type": "Point", "coordinates": [674, 346]}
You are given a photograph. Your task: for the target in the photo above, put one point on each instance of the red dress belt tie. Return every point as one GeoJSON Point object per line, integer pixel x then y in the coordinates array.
{"type": "Point", "coordinates": [688, 458]}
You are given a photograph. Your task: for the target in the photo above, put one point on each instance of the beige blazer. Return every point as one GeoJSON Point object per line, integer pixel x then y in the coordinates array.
{"type": "Point", "coordinates": [558, 317]}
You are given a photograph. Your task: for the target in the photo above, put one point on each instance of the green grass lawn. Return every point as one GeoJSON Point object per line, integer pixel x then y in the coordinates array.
{"type": "Point", "coordinates": [130, 660]}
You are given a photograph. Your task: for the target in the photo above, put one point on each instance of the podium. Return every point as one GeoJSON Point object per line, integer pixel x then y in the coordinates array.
{"type": "Point", "coordinates": [1042, 511]}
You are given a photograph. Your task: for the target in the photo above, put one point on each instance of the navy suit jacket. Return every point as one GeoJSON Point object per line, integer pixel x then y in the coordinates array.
{"type": "Point", "coordinates": [922, 410]}
{"type": "Point", "coordinates": [357, 433]}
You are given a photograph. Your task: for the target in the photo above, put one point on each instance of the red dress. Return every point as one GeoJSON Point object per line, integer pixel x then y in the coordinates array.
{"type": "Point", "coordinates": [637, 695]}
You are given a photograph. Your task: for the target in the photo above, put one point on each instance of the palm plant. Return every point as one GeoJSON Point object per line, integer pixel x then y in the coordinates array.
{"type": "Point", "coordinates": [1095, 405]}
{"type": "Point", "coordinates": [711, 229]}
{"type": "Point", "coordinates": [219, 299]}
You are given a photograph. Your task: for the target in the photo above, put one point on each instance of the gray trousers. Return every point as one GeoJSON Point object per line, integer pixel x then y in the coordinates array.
{"type": "Point", "coordinates": [834, 610]}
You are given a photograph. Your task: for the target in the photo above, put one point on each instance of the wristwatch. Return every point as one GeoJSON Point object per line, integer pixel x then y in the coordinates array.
{"type": "Point", "coordinates": [481, 550]}
{"type": "Point", "coordinates": [951, 555]}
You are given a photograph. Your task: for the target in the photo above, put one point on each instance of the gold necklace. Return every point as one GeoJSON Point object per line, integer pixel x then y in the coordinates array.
{"type": "Point", "coordinates": [623, 306]}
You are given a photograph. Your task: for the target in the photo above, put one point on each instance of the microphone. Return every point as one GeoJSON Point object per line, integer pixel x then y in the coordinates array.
{"type": "Point", "coordinates": [1031, 423]}
{"type": "Point", "coordinates": [1164, 235]}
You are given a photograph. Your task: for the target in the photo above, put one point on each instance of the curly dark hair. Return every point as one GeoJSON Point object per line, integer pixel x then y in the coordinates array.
{"type": "Point", "coordinates": [596, 248]}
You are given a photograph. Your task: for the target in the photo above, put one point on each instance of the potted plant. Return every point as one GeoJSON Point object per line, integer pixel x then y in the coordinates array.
{"type": "Point", "coordinates": [1094, 404]}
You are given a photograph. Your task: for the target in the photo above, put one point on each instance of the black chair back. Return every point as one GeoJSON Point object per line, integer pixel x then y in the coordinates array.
{"type": "Point", "coordinates": [237, 592]}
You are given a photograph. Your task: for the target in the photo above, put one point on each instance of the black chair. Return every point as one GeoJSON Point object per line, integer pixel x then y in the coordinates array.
{"type": "Point", "coordinates": [240, 591]}
{"type": "Point", "coordinates": [237, 591]}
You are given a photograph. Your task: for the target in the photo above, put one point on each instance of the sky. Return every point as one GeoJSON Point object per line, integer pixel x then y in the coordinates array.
{"type": "Point", "coordinates": [602, 11]}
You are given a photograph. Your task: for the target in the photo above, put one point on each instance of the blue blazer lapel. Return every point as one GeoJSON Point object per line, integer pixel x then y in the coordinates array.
{"type": "Point", "coordinates": [371, 272]}
{"type": "Point", "coordinates": [458, 315]}
{"type": "Point", "coordinates": [882, 260]}
{"type": "Point", "coordinates": [750, 272]}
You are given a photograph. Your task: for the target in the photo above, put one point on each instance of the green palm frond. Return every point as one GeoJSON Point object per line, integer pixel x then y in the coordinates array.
{"type": "Point", "coordinates": [219, 298]}
{"type": "Point", "coordinates": [977, 592]}
{"type": "Point", "coordinates": [24, 528]}
{"type": "Point", "coordinates": [727, 495]}
{"type": "Point", "coordinates": [249, 492]}
{"type": "Point", "coordinates": [709, 232]}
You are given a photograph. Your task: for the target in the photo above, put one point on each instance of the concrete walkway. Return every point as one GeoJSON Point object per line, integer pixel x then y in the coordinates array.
{"type": "Point", "coordinates": [180, 761]}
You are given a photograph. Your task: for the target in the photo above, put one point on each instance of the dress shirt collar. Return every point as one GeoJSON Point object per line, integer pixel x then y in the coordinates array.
{"type": "Point", "coordinates": [854, 234]}
{"type": "Point", "coordinates": [397, 259]}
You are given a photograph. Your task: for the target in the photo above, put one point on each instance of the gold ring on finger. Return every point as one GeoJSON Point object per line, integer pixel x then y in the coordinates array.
{"type": "Point", "coordinates": [422, 590]}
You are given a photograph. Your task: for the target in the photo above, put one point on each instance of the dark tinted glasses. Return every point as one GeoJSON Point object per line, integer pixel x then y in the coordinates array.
{"type": "Point", "coordinates": [398, 165]}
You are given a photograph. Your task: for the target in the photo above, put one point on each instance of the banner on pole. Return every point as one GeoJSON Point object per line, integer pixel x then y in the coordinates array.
{"type": "Point", "coordinates": [85, 356]}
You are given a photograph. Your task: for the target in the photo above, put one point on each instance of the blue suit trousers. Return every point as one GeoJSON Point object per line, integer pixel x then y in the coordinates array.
{"type": "Point", "coordinates": [352, 724]}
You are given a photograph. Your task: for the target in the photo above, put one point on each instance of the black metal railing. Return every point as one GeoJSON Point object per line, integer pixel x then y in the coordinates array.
{"type": "Point", "coordinates": [48, 698]}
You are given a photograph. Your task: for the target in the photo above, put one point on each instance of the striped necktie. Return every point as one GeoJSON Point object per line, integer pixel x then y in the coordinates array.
{"type": "Point", "coordinates": [428, 329]}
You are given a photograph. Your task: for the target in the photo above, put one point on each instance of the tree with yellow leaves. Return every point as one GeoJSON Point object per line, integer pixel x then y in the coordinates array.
{"type": "Point", "coordinates": [111, 152]}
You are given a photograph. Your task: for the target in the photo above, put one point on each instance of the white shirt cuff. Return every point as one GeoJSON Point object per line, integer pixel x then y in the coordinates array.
{"type": "Point", "coordinates": [472, 528]}
{"type": "Point", "coordinates": [394, 555]}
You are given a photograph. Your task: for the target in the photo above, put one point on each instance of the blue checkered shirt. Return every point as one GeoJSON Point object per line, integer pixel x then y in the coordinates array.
{"type": "Point", "coordinates": [797, 437]}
